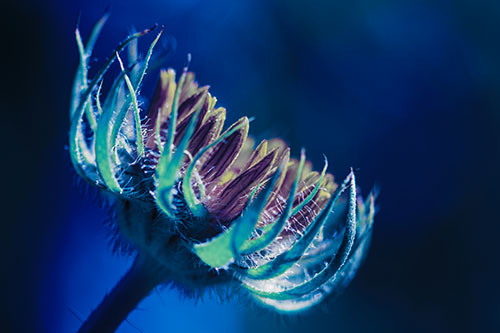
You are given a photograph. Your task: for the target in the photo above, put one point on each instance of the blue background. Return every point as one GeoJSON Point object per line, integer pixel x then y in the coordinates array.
{"type": "Point", "coordinates": [407, 92]}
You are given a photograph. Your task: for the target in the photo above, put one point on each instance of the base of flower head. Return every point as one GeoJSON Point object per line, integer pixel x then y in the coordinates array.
{"type": "Point", "coordinates": [152, 233]}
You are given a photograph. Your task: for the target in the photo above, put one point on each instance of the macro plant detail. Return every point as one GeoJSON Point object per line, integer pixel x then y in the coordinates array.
{"type": "Point", "coordinates": [203, 207]}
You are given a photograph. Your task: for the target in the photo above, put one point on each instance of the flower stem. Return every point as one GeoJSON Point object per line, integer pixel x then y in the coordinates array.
{"type": "Point", "coordinates": [144, 275]}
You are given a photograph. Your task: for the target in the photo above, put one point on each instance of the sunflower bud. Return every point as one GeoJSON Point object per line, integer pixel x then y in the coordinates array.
{"type": "Point", "coordinates": [209, 205]}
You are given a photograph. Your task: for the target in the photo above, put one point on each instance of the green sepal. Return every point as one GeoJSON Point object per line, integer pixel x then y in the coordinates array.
{"type": "Point", "coordinates": [133, 56]}
{"type": "Point", "coordinates": [287, 259]}
{"type": "Point", "coordinates": [331, 288]}
{"type": "Point", "coordinates": [332, 268]}
{"type": "Point", "coordinates": [193, 203]}
{"type": "Point", "coordinates": [222, 250]}
{"type": "Point", "coordinates": [169, 166]}
{"type": "Point", "coordinates": [96, 31]}
{"type": "Point", "coordinates": [105, 157]}
{"type": "Point", "coordinates": [78, 111]}
{"type": "Point", "coordinates": [110, 122]}
{"type": "Point", "coordinates": [251, 215]}
{"type": "Point", "coordinates": [98, 99]}
{"type": "Point", "coordinates": [217, 252]}
{"type": "Point", "coordinates": [272, 230]}
{"type": "Point", "coordinates": [79, 151]}
{"type": "Point", "coordinates": [136, 84]}
{"type": "Point", "coordinates": [110, 104]}
{"type": "Point", "coordinates": [137, 119]}
{"type": "Point", "coordinates": [84, 158]}
{"type": "Point", "coordinates": [81, 72]}
{"type": "Point", "coordinates": [314, 191]}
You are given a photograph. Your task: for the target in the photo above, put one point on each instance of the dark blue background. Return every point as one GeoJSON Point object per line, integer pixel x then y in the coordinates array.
{"type": "Point", "coordinates": [407, 92]}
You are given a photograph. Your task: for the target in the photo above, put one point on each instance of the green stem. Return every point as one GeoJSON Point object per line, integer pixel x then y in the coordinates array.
{"type": "Point", "coordinates": [144, 275]}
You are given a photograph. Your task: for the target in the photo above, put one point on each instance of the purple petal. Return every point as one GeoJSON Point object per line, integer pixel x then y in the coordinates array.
{"type": "Point", "coordinates": [161, 103]}
{"type": "Point", "coordinates": [188, 107]}
{"type": "Point", "coordinates": [257, 155]}
{"type": "Point", "coordinates": [231, 202]}
{"type": "Point", "coordinates": [223, 154]}
{"type": "Point", "coordinates": [188, 88]}
{"type": "Point", "coordinates": [208, 132]}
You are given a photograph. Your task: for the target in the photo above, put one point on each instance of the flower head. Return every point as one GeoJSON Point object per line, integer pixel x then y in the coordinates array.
{"type": "Point", "coordinates": [204, 202]}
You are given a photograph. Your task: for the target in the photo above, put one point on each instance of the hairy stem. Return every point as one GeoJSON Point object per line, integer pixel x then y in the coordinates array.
{"type": "Point", "coordinates": [144, 275]}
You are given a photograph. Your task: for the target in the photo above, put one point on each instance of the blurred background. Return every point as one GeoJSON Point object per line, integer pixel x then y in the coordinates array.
{"type": "Point", "coordinates": [406, 92]}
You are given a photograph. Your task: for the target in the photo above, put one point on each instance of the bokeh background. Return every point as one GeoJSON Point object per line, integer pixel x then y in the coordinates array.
{"type": "Point", "coordinates": [407, 92]}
